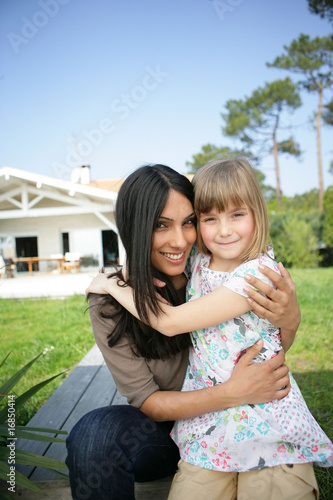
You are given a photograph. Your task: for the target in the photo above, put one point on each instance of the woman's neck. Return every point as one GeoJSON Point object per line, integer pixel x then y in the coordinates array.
{"type": "Point", "coordinates": [178, 281]}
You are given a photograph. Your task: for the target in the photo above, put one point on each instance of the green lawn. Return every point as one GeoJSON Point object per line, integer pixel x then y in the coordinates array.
{"type": "Point", "coordinates": [310, 359]}
{"type": "Point", "coordinates": [29, 326]}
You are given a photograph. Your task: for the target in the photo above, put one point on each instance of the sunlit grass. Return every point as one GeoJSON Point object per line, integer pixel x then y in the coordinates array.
{"type": "Point", "coordinates": [28, 327]}
{"type": "Point", "coordinates": [311, 357]}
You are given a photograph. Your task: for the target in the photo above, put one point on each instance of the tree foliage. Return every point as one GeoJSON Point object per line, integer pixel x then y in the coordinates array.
{"type": "Point", "coordinates": [210, 152]}
{"type": "Point", "coordinates": [256, 120]}
{"type": "Point", "coordinates": [313, 60]}
{"type": "Point", "coordinates": [294, 240]}
{"type": "Point", "coordinates": [328, 221]}
{"type": "Point", "coordinates": [328, 113]}
{"type": "Point", "coordinates": [324, 8]}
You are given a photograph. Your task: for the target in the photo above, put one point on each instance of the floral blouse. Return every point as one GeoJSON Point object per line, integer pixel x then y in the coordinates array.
{"type": "Point", "coordinates": [249, 436]}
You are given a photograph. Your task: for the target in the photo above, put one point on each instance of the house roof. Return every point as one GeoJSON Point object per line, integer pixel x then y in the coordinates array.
{"type": "Point", "coordinates": [25, 194]}
{"type": "Point", "coordinates": [108, 184]}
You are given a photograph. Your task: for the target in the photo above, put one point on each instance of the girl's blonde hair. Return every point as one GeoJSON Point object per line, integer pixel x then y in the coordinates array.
{"type": "Point", "coordinates": [232, 180]}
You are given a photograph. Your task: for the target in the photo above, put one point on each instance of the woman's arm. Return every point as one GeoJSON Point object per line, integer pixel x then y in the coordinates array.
{"type": "Point", "coordinates": [278, 305]}
{"type": "Point", "coordinates": [250, 383]}
{"type": "Point", "coordinates": [199, 313]}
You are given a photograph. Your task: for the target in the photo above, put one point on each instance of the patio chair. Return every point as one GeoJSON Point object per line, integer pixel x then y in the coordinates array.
{"type": "Point", "coordinates": [72, 262]}
{"type": "Point", "coordinates": [10, 268]}
{"type": "Point", "coordinates": [2, 267]}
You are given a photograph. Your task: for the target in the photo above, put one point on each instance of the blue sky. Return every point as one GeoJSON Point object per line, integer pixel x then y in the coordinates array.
{"type": "Point", "coordinates": [115, 84]}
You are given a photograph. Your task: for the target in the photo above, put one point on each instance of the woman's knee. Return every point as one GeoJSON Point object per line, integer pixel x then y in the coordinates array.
{"type": "Point", "coordinates": [97, 432]}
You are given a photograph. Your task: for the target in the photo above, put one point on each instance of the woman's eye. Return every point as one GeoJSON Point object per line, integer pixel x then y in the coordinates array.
{"type": "Point", "coordinates": [190, 222]}
{"type": "Point", "coordinates": [160, 225]}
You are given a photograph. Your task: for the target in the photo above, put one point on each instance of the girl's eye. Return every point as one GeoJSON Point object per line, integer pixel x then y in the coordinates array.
{"type": "Point", "coordinates": [239, 214]}
{"type": "Point", "coordinates": [208, 219]}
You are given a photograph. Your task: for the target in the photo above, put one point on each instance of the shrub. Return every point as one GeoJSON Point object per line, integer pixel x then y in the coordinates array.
{"type": "Point", "coordinates": [294, 239]}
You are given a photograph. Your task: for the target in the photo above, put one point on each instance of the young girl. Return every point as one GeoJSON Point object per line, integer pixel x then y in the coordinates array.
{"type": "Point", "coordinates": [232, 238]}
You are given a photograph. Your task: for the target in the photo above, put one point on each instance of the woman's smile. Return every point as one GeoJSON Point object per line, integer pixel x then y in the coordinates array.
{"type": "Point", "coordinates": [174, 235]}
{"type": "Point", "coordinates": [174, 256]}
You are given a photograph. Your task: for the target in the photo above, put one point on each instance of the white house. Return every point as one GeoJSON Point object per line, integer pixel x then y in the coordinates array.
{"type": "Point", "coordinates": [41, 216]}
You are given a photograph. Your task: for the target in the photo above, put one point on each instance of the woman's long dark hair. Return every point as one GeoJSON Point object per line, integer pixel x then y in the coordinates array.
{"type": "Point", "coordinates": [140, 202]}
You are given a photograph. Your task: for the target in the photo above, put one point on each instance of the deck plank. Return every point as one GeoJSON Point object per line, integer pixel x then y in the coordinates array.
{"type": "Point", "coordinates": [101, 392]}
{"type": "Point", "coordinates": [56, 410]}
{"type": "Point", "coordinates": [89, 386]}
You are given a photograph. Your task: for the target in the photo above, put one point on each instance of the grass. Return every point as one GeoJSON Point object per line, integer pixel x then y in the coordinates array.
{"type": "Point", "coordinates": [310, 359]}
{"type": "Point", "coordinates": [29, 326]}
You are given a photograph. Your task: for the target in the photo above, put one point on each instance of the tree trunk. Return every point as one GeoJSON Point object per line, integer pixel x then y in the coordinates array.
{"type": "Point", "coordinates": [320, 168]}
{"type": "Point", "coordinates": [277, 172]}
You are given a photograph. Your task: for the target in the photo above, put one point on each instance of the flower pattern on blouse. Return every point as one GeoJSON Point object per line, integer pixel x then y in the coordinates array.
{"type": "Point", "coordinates": [249, 436]}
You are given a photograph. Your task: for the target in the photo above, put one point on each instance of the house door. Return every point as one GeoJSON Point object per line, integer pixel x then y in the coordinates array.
{"type": "Point", "coordinates": [110, 248]}
{"type": "Point", "coordinates": [26, 247]}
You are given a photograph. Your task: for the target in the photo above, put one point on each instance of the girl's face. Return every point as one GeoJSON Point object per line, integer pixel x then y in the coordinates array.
{"type": "Point", "coordinates": [174, 235]}
{"type": "Point", "coordinates": [227, 235]}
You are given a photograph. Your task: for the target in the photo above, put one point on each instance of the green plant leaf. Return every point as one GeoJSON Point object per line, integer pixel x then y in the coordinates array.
{"type": "Point", "coordinates": [20, 480]}
{"type": "Point", "coordinates": [7, 386]}
{"type": "Point", "coordinates": [24, 434]}
{"type": "Point", "coordinates": [40, 429]}
{"type": "Point", "coordinates": [59, 473]}
{"type": "Point", "coordinates": [4, 360]}
{"type": "Point", "coordinates": [27, 395]}
{"type": "Point", "coordinates": [28, 458]}
{"type": "Point", "coordinates": [5, 496]}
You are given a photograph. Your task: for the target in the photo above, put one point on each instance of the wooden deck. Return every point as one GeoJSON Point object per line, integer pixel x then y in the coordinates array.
{"type": "Point", "coordinates": [89, 386]}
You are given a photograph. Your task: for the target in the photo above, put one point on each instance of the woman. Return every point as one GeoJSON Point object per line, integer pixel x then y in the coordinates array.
{"type": "Point", "coordinates": [110, 448]}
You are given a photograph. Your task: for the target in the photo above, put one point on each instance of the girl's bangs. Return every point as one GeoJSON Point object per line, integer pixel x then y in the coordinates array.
{"type": "Point", "coordinates": [219, 194]}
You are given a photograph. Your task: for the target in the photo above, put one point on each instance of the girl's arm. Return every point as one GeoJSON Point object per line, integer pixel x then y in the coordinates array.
{"type": "Point", "coordinates": [279, 306]}
{"type": "Point", "coordinates": [194, 315]}
{"type": "Point", "coordinates": [250, 383]}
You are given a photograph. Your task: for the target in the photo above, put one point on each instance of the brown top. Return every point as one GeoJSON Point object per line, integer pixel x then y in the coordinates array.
{"type": "Point", "coordinates": [135, 377]}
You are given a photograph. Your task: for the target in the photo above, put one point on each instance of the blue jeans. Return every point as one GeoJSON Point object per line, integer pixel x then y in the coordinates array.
{"type": "Point", "coordinates": [112, 447]}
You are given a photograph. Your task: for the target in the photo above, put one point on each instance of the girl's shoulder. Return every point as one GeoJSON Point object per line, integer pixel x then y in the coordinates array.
{"type": "Point", "coordinates": [252, 266]}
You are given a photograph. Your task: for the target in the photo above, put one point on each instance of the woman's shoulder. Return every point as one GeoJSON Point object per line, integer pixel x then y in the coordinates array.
{"type": "Point", "coordinates": [100, 305]}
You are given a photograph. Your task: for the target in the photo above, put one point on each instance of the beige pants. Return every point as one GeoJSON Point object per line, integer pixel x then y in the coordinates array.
{"type": "Point", "coordinates": [283, 482]}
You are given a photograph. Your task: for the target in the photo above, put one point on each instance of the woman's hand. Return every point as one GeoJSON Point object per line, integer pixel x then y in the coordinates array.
{"type": "Point", "coordinates": [257, 383]}
{"type": "Point", "coordinates": [101, 284]}
{"type": "Point", "coordinates": [279, 306]}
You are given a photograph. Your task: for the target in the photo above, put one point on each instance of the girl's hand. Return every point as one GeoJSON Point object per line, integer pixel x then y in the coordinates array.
{"type": "Point", "coordinates": [257, 383]}
{"type": "Point", "coordinates": [101, 284]}
{"type": "Point", "coordinates": [279, 306]}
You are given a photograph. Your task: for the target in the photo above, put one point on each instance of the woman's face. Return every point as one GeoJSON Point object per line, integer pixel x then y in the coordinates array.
{"type": "Point", "coordinates": [174, 235]}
